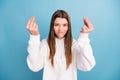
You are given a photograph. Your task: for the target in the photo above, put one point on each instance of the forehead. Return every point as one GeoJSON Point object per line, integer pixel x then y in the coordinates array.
{"type": "Point", "coordinates": [61, 20]}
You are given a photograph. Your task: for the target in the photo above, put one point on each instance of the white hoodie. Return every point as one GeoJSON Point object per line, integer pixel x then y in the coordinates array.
{"type": "Point", "coordinates": [38, 58]}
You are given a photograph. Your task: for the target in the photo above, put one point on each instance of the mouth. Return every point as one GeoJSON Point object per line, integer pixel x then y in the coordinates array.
{"type": "Point", "coordinates": [61, 32]}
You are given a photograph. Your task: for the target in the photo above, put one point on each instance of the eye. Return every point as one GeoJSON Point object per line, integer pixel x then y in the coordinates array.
{"type": "Point", "coordinates": [65, 25]}
{"type": "Point", "coordinates": [56, 24]}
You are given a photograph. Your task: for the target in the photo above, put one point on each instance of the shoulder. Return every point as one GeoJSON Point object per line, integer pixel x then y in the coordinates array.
{"type": "Point", "coordinates": [73, 41]}
{"type": "Point", "coordinates": [44, 41]}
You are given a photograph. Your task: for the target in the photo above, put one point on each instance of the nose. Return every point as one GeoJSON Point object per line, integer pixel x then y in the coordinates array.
{"type": "Point", "coordinates": [60, 28]}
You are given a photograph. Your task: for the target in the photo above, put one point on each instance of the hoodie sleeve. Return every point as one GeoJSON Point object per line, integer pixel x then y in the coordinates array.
{"type": "Point", "coordinates": [85, 60]}
{"type": "Point", "coordinates": [36, 51]}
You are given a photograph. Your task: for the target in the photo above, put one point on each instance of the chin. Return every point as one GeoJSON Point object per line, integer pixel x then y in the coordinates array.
{"type": "Point", "coordinates": [60, 37]}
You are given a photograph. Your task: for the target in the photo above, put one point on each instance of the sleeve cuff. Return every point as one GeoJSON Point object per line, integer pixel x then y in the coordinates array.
{"type": "Point", "coordinates": [83, 35]}
{"type": "Point", "coordinates": [33, 37]}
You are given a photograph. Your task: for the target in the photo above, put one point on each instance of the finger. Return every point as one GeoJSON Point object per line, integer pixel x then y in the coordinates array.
{"type": "Point", "coordinates": [27, 26]}
{"type": "Point", "coordinates": [88, 23]}
{"type": "Point", "coordinates": [28, 23]}
{"type": "Point", "coordinates": [34, 25]}
{"type": "Point", "coordinates": [32, 21]}
{"type": "Point", "coordinates": [84, 29]}
{"type": "Point", "coordinates": [34, 30]}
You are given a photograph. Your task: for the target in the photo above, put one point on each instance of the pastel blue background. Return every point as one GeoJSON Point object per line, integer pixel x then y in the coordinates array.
{"type": "Point", "coordinates": [104, 14]}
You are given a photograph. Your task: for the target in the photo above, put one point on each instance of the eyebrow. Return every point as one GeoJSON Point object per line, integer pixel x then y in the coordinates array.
{"type": "Point", "coordinates": [58, 23]}
{"type": "Point", "coordinates": [65, 24]}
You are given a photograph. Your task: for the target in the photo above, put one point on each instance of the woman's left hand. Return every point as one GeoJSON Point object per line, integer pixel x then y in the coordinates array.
{"type": "Point", "coordinates": [87, 27]}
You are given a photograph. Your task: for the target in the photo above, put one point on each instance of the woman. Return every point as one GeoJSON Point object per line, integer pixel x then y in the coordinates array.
{"type": "Point", "coordinates": [59, 54]}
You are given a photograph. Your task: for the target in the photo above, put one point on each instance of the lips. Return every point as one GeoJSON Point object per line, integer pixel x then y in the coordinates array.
{"type": "Point", "coordinates": [61, 32]}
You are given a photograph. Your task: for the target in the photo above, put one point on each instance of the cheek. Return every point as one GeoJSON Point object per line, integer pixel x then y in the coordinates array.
{"type": "Point", "coordinates": [55, 29]}
{"type": "Point", "coordinates": [66, 29]}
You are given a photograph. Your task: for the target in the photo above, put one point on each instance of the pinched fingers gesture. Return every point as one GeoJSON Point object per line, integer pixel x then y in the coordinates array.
{"type": "Point", "coordinates": [87, 27]}
{"type": "Point", "coordinates": [32, 27]}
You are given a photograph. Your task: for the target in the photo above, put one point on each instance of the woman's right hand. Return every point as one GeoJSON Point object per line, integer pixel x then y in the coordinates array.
{"type": "Point", "coordinates": [32, 27]}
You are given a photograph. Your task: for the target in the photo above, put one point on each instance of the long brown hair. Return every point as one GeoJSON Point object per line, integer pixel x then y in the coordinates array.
{"type": "Point", "coordinates": [68, 38]}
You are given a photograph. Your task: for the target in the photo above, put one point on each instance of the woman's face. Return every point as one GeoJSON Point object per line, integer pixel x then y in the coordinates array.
{"type": "Point", "coordinates": [60, 27]}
